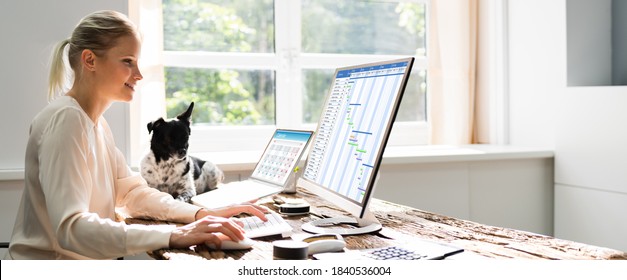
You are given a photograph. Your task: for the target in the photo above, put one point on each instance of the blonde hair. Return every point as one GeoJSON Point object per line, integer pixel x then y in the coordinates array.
{"type": "Point", "coordinates": [97, 32]}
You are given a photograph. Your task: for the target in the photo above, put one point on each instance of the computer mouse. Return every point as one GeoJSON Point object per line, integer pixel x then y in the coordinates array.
{"type": "Point", "coordinates": [325, 242]}
{"type": "Point", "coordinates": [244, 244]}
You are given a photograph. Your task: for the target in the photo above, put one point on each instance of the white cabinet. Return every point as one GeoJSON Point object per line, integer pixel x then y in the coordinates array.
{"type": "Point", "coordinates": [590, 150]}
{"type": "Point", "coordinates": [512, 193]}
{"type": "Point", "coordinates": [591, 216]}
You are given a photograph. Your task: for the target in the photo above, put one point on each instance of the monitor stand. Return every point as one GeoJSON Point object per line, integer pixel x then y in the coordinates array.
{"type": "Point", "coordinates": [368, 224]}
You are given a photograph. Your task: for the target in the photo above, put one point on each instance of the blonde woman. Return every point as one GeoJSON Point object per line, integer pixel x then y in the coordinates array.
{"type": "Point", "coordinates": [75, 177]}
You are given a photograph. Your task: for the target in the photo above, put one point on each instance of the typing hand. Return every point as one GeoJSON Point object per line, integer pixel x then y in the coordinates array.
{"type": "Point", "coordinates": [206, 230]}
{"type": "Point", "coordinates": [252, 209]}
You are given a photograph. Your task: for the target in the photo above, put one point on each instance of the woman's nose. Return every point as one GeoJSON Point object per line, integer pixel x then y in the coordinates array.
{"type": "Point", "coordinates": [138, 75]}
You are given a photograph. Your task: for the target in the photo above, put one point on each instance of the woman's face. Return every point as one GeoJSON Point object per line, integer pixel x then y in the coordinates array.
{"type": "Point", "coordinates": [118, 71]}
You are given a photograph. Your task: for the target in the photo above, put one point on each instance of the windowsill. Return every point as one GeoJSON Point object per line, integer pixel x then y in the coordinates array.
{"type": "Point", "coordinates": [246, 160]}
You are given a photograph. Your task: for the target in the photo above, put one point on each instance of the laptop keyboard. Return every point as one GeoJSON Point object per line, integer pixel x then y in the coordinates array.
{"type": "Point", "coordinates": [275, 225]}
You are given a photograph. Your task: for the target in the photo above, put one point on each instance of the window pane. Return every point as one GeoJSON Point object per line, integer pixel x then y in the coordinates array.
{"type": "Point", "coordinates": [363, 27]}
{"type": "Point", "coordinates": [219, 25]}
{"type": "Point", "coordinates": [316, 85]}
{"type": "Point", "coordinates": [414, 101]}
{"type": "Point", "coordinates": [222, 96]}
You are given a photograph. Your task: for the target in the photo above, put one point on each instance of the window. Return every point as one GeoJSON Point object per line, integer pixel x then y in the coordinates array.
{"type": "Point", "coordinates": [253, 65]}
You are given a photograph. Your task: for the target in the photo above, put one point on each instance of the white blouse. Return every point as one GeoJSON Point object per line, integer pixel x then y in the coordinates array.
{"type": "Point", "coordinates": [75, 181]}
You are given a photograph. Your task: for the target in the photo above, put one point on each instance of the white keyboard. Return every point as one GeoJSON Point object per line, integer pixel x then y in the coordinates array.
{"type": "Point", "coordinates": [275, 225]}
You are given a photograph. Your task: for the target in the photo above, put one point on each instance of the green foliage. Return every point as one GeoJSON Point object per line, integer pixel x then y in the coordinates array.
{"type": "Point", "coordinates": [247, 97]}
{"type": "Point", "coordinates": [316, 85]}
{"type": "Point", "coordinates": [362, 27]}
{"type": "Point", "coordinates": [221, 96]}
{"type": "Point", "coordinates": [412, 19]}
{"type": "Point", "coordinates": [218, 25]}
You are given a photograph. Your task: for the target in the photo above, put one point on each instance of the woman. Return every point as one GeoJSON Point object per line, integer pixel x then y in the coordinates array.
{"type": "Point", "coordinates": [75, 177]}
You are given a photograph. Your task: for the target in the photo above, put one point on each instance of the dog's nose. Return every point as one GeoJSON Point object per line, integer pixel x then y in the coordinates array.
{"type": "Point", "coordinates": [182, 151]}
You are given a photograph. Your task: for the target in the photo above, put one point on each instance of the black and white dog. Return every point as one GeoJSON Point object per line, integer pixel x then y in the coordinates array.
{"type": "Point", "coordinates": [168, 167]}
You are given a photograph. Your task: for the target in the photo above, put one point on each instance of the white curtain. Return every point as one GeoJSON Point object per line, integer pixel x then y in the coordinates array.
{"type": "Point", "coordinates": [452, 47]}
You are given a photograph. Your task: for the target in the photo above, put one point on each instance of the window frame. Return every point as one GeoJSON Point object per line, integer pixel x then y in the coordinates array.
{"type": "Point", "coordinates": [287, 61]}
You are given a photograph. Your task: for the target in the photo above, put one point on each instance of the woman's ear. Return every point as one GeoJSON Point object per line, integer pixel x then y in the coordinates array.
{"type": "Point", "coordinates": [88, 59]}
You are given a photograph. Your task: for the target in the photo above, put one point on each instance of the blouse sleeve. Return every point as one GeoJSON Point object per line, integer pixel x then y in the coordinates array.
{"type": "Point", "coordinates": [65, 181]}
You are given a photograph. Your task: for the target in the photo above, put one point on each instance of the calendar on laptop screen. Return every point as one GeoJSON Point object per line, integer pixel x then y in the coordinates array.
{"type": "Point", "coordinates": [281, 156]}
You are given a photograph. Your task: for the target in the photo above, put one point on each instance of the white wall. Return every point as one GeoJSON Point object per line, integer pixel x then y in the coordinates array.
{"type": "Point", "coordinates": [536, 70]}
{"type": "Point", "coordinates": [29, 30]}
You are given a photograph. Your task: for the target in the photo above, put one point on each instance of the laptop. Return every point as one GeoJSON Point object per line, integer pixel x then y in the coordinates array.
{"type": "Point", "coordinates": [270, 175]}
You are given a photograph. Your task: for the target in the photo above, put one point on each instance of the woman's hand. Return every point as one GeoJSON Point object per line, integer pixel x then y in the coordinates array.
{"type": "Point", "coordinates": [252, 209]}
{"type": "Point", "coordinates": [208, 230]}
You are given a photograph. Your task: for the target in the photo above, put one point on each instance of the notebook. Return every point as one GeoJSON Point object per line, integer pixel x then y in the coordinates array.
{"type": "Point", "coordinates": [270, 175]}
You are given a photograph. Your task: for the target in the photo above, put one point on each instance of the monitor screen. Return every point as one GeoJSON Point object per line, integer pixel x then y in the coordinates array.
{"type": "Point", "coordinates": [352, 132]}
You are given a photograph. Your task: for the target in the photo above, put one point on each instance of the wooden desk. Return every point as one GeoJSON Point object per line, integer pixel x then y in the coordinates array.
{"type": "Point", "coordinates": [400, 224]}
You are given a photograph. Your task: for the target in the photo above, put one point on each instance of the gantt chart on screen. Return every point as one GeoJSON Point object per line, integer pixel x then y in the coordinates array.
{"type": "Point", "coordinates": [352, 126]}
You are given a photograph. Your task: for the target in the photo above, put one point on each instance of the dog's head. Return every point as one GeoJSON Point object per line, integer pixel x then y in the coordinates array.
{"type": "Point", "coordinates": [171, 138]}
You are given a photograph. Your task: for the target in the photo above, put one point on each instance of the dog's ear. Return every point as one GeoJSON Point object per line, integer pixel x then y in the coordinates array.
{"type": "Point", "coordinates": [187, 116]}
{"type": "Point", "coordinates": [155, 124]}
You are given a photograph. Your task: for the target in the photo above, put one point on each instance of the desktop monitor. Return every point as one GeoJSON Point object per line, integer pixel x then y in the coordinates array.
{"type": "Point", "coordinates": [352, 133]}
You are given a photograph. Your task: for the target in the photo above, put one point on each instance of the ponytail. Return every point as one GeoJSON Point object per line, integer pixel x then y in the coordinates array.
{"type": "Point", "coordinates": [58, 74]}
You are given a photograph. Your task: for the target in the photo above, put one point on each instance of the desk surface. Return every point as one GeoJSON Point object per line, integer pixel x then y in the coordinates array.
{"type": "Point", "coordinates": [401, 224]}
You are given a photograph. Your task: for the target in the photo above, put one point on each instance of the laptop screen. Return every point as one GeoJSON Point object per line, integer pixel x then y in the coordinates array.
{"type": "Point", "coordinates": [281, 155]}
